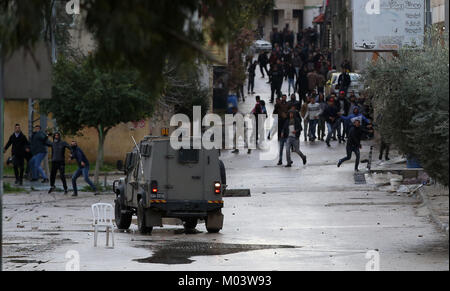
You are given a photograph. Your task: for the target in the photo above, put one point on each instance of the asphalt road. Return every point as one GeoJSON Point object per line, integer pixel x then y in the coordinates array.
{"type": "Point", "coordinates": [311, 217]}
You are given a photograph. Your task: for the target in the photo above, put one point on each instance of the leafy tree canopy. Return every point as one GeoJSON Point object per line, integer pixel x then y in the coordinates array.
{"type": "Point", "coordinates": [84, 95]}
{"type": "Point", "coordinates": [410, 94]}
{"type": "Point", "coordinates": [143, 34]}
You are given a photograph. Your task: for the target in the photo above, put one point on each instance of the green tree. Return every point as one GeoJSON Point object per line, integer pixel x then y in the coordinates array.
{"type": "Point", "coordinates": [242, 35]}
{"type": "Point", "coordinates": [140, 34]}
{"type": "Point", "coordinates": [183, 89]}
{"type": "Point", "coordinates": [84, 95]}
{"type": "Point", "coordinates": [411, 92]}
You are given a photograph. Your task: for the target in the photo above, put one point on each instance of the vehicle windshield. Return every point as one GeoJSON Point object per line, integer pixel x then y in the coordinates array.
{"type": "Point", "coordinates": [355, 77]}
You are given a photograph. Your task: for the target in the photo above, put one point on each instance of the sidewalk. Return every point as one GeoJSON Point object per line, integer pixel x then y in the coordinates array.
{"type": "Point", "coordinates": [436, 200]}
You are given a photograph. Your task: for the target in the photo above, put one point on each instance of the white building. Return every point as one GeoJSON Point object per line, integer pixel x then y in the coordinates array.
{"type": "Point", "coordinates": [438, 11]}
{"type": "Point", "coordinates": [299, 14]}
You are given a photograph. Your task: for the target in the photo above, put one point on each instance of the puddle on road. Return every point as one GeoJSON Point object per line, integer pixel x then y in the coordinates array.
{"type": "Point", "coordinates": [178, 253]}
{"type": "Point", "coordinates": [26, 262]}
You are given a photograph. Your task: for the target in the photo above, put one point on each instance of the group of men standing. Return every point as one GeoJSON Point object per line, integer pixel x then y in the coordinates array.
{"type": "Point", "coordinates": [35, 151]}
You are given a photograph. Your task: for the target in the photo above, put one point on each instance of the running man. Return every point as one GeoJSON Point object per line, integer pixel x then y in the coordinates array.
{"type": "Point", "coordinates": [83, 169]}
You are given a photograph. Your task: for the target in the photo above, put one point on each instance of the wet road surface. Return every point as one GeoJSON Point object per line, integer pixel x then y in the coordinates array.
{"type": "Point", "coordinates": [311, 217]}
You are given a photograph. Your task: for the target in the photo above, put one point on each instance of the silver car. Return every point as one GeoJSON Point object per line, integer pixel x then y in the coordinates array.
{"type": "Point", "coordinates": [356, 84]}
{"type": "Point", "coordinates": [262, 45]}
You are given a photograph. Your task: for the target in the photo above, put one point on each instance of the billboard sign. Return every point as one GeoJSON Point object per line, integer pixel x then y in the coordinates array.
{"type": "Point", "coordinates": [388, 25]}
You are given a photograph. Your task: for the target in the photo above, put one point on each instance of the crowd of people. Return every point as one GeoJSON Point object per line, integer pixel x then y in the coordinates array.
{"type": "Point", "coordinates": [35, 150]}
{"type": "Point", "coordinates": [342, 117]}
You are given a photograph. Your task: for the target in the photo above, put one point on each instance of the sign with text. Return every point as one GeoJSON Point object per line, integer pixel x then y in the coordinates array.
{"type": "Point", "coordinates": [388, 25]}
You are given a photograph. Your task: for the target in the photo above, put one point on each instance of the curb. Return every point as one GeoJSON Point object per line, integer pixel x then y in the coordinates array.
{"type": "Point", "coordinates": [91, 174]}
{"type": "Point", "coordinates": [424, 200]}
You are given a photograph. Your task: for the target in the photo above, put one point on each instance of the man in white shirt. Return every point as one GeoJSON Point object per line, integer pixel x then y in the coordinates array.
{"type": "Point", "coordinates": [313, 114]}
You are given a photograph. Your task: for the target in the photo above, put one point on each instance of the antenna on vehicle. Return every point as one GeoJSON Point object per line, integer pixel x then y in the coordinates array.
{"type": "Point", "coordinates": [140, 156]}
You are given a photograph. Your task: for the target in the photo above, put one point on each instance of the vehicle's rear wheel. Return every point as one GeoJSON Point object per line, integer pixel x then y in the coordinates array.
{"type": "Point", "coordinates": [123, 217]}
{"type": "Point", "coordinates": [143, 229]}
{"type": "Point", "coordinates": [214, 221]}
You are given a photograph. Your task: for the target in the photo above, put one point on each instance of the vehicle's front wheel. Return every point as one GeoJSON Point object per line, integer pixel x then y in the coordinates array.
{"type": "Point", "coordinates": [123, 217]}
{"type": "Point", "coordinates": [143, 229]}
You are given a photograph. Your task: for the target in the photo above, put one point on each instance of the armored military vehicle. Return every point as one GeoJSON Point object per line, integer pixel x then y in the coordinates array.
{"type": "Point", "coordinates": [161, 182]}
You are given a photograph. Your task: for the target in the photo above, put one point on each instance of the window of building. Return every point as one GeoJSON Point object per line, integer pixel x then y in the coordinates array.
{"type": "Point", "coordinates": [276, 19]}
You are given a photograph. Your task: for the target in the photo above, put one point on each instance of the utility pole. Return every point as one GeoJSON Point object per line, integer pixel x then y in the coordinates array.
{"type": "Point", "coordinates": [446, 15]}
{"type": "Point", "coordinates": [428, 22]}
{"type": "Point", "coordinates": [2, 116]}
{"type": "Point", "coordinates": [428, 14]}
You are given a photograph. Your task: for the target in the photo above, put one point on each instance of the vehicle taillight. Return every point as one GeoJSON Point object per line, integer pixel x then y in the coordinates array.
{"type": "Point", "coordinates": [217, 187]}
{"type": "Point", "coordinates": [154, 187]}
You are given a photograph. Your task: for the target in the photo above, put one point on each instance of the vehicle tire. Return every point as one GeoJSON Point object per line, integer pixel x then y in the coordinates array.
{"type": "Point", "coordinates": [190, 223]}
{"type": "Point", "coordinates": [123, 220]}
{"type": "Point", "coordinates": [216, 221]}
{"type": "Point", "coordinates": [143, 229]}
{"type": "Point", "coordinates": [223, 174]}
{"type": "Point", "coordinates": [213, 230]}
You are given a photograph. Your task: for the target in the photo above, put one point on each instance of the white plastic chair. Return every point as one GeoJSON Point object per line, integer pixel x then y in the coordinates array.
{"type": "Point", "coordinates": [103, 217]}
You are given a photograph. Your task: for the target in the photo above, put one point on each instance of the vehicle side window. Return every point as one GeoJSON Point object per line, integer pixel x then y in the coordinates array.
{"type": "Point", "coordinates": [188, 156]}
{"type": "Point", "coordinates": [146, 150]}
{"type": "Point", "coordinates": [129, 161]}
{"type": "Point", "coordinates": [136, 170]}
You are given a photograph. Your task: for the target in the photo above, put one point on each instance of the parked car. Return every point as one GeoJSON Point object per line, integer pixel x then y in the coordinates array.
{"type": "Point", "coordinates": [262, 45]}
{"type": "Point", "coordinates": [356, 85]}
{"type": "Point", "coordinates": [368, 45]}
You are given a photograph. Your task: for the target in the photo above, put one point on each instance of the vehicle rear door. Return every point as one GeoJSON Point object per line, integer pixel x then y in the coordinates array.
{"type": "Point", "coordinates": [185, 174]}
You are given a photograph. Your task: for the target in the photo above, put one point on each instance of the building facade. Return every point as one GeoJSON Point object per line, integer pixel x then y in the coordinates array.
{"type": "Point", "coordinates": [438, 12]}
{"type": "Point", "coordinates": [337, 36]}
{"type": "Point", "coordinates": [298, 14]}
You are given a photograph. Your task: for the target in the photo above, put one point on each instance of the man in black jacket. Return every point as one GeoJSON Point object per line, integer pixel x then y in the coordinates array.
{"type": "Point", "coordinates": [302, 84]}
{"type": "Point", "coordinates": [19, 144]}
{"type": "Point", "coordinates": [344, 81]}
{"type": "Point", "coordinates": [291, 131]}
{"type": "Point", "coordinates": [263, 61]}
{"type": "Point", "coordinates": [353, 144]}
{"type": "Point", "coordinates": [331, 116]}
{"type": "Point", "coordinates": [58, 161]}
{"type": "Point", "coordinates": [251, 78]}
{"type": "Point", "coordinates": [343, 107]}
{"type": "Point", "coordinates": [277, 81]}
